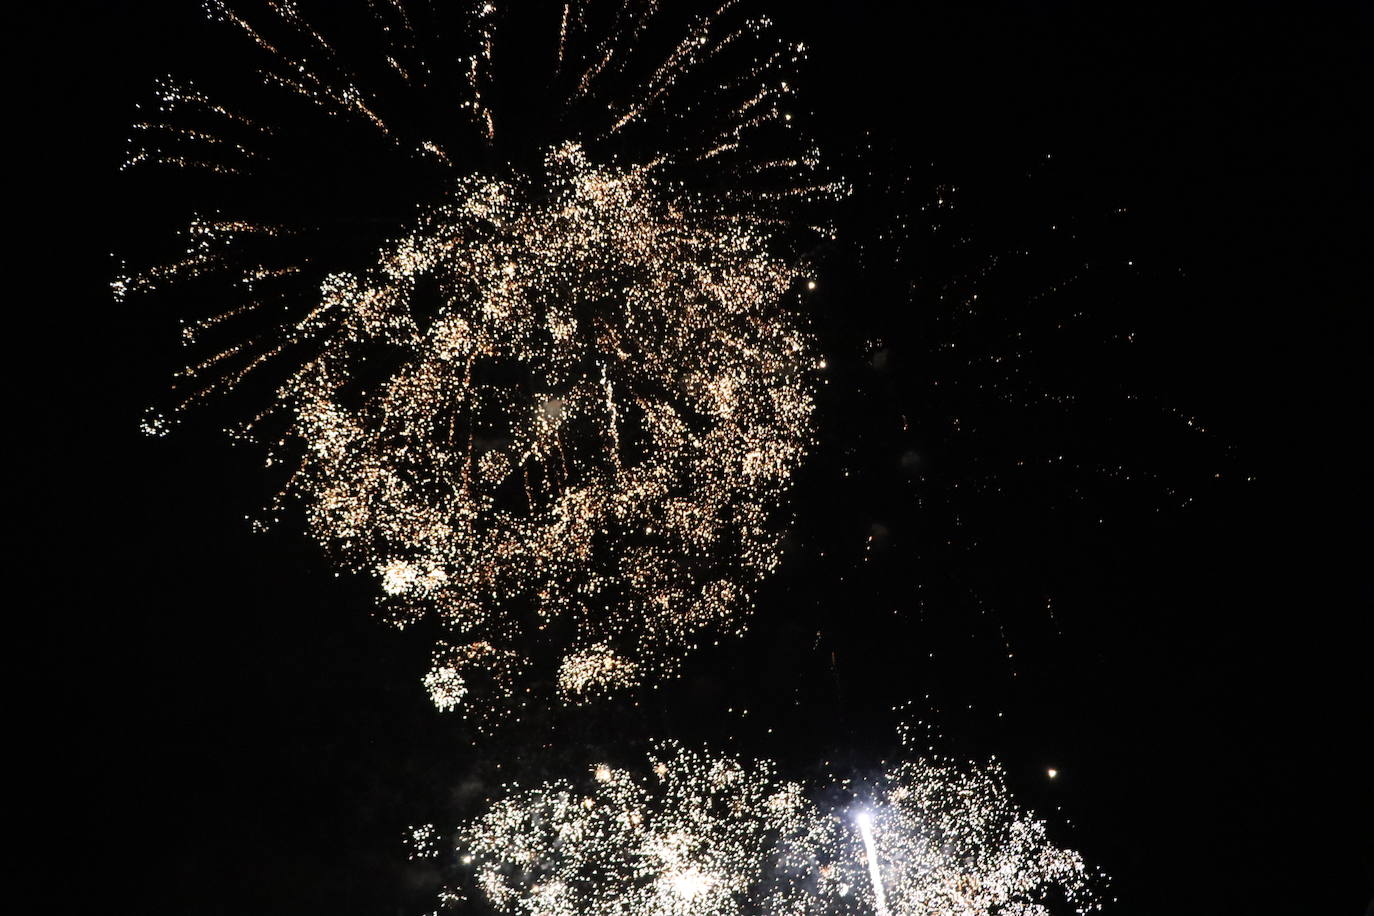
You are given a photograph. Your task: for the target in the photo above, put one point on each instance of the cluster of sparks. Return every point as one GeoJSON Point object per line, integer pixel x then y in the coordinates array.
{"type": "Point", "coordinates": [560, 409]}
{"type": "Point", "coordinates": [590, 434]}
{"type": "Point", "coordinates": [706, 835]}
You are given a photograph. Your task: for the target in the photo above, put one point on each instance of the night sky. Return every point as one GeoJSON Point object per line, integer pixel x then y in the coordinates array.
{"type": "Point", "coordinates": [1107, 519]}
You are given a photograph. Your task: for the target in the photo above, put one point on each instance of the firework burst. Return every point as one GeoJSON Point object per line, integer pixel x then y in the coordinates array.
{"type": "Point", "coordinates": [699, 834]}
{"type": "Point", "coordinates": [556, 399]}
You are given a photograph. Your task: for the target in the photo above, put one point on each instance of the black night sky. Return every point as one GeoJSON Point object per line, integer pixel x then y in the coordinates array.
{"type": "Point", "coordinates": [1165, 190]}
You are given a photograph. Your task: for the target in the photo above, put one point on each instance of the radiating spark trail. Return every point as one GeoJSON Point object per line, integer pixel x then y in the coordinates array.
{"type": "Point", "coordinates": [865, 822]}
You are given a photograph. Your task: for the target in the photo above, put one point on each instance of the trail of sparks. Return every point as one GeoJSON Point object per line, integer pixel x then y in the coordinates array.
{"type": "Point", "coordinates": [865, 822]}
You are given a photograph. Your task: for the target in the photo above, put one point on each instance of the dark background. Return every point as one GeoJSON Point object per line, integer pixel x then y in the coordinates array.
{"type": "Point", "coordinates": [220, 727]}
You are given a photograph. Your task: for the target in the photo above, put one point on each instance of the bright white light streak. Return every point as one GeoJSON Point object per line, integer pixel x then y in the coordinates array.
{"type": "Point", "coordinates": [871, 853]}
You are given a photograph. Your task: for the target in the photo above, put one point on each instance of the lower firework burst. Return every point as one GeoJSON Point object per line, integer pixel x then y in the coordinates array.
{"type": "Point", "coordinates": [705, 835]}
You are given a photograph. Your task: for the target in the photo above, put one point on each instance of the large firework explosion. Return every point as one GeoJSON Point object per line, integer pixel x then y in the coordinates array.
{"type": "Point", "coordinates": [556, 404]}
{"type": "Point", "coordinates": [699, 834]}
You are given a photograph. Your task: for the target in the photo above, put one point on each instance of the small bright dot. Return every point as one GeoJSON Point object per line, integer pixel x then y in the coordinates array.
{"type": "Point", "coordinates": [810, 284]}
{"type": "Point", "coordinates": [1053, 773]}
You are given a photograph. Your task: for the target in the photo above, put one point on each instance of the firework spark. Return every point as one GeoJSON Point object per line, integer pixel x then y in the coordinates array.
{"type": "Point", "coordinates": [702, 835]}
{"type": "Point", "coordinates": [561, 404]}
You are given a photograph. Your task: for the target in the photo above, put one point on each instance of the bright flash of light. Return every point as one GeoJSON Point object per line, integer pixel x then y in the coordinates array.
{"type": "Point", "coordinates": [865, 822]}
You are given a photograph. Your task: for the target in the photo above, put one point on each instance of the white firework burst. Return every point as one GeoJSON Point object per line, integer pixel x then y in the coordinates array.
{"type": "Point", "coordinates": [700, 834]}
